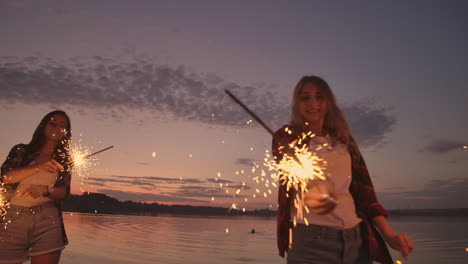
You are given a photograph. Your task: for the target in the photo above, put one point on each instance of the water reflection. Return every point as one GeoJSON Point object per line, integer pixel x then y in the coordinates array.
{"type": "Point", "coordinates": [148, 239]}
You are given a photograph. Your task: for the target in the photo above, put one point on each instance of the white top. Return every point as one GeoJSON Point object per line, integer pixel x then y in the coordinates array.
{"type": "Point", "coordinates": [39, 178]}
{"type": "Point", "coordinates": [338, 171]}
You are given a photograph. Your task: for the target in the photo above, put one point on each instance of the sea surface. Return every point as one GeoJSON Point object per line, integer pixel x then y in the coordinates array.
{"type": "Point", "coordinates": [107, 239]}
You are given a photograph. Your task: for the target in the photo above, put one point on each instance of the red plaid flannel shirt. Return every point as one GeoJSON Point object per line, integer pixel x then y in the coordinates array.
{"type": "Point", "coordinates": [361, 189]}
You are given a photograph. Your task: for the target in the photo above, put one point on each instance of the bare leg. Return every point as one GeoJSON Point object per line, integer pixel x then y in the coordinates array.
{"type": "Point", "coordinates": [49, 258]}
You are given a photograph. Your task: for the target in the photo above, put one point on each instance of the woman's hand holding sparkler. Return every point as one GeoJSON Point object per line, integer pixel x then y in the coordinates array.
{"type": "Point", "coordinates": [320, 197]}
{"type": "Point", "coordinates": [49, 166]}
{"type": "Point", "coordinates": [319, 203]}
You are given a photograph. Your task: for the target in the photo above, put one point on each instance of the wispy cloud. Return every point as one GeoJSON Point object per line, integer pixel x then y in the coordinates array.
{"type": "Point", "coordinates": [369, 124]}
{"type": "Point", "coordinates": [143, 197]}
{"type": "Point", "coordinates": [202, 192]}
{"type": "Point", "coordinates": [247, 162]}
{"type": "Point", "coordinates": [121, 182]}
{"type": "Point", "coordinates": [441, 146]}
{"type": "Point", "coordinates": [149, 183]}
{"type": "Point", "coordinates": [113, 87]}
{"type": "Point", "coordinates": [437, 193]}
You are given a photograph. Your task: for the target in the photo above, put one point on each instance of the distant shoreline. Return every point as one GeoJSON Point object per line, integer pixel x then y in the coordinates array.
{"type": "Point", "coordinates": [102, 204]}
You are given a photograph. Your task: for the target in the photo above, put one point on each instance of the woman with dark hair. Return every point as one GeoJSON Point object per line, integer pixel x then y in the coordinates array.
{"type": "Point", "coordinates": [345, 223]}
{"type": "Point", "coordinates": [35, 178]}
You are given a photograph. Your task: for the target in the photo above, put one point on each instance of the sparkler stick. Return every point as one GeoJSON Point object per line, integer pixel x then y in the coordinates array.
{"type": "Point", "coordinates": [259, 121]}
{"type": "Point", "coordinates": [249, 111]}
{"type": "Point", "coordinates": [97, 152]}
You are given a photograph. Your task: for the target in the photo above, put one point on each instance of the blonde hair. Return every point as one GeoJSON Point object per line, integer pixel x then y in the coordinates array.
{"type": "Point", "coordinates": [334, 124]}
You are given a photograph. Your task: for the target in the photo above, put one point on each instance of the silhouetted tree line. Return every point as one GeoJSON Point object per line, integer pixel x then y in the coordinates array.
{"type": "Point", "coordinates": [103, 204]}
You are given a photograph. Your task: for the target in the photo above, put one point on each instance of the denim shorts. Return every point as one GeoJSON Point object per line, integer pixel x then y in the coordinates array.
{"type": "Point", "coordinates": [326, 245]}
{"type": "Point", "coordinates": [30, 231]}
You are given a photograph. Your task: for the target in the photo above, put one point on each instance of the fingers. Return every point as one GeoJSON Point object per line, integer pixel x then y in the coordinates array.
{"type": "Point", "coordinates": [316, 196]}
{"type": "Point", "coordinates": [57, 165]}
{"type": "Point", "coordinates": [405, 244]}
{"type": "Point", "coordinates": [408, 245]}
{"type": "Point", "coordinates": [51, 166]}
{"type": "Point", "coordinates": [320, 203]}
{"type": "Point", "coordinates": [34, 191]}
{"type": "Point", "coordinates": [403, 247]}
{"type": "Point", "coordinates": [324, 209]}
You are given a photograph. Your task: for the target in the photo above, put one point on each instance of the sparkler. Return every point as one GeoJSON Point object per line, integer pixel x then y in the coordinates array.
{"type": "Point", "coordinates": [97, 152]}
{"type": "Point", "coordinates": [81, 156]}
{"type": "Point", "coordinates": [297, 169]}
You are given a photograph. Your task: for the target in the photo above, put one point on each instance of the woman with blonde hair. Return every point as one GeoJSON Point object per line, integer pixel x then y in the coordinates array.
{"type": "Point", "coordinates": [345, 223]}
{"type": "Point", "coordinates": [35, 178]}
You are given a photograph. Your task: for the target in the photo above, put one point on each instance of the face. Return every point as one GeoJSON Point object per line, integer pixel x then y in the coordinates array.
{"type": "Point", "coordinates": [56, 127]}
{"type": "Point", "coordinates": [313, 104]}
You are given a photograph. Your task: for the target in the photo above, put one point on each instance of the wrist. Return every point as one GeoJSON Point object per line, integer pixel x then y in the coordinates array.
{"type": "Point", "coordinates": [48, 192]}
{"type": "Point", "coordinates": [389, 237]}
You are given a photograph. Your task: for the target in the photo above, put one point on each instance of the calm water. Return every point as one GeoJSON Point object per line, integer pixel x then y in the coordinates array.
{"type": "Point", "coordinates": [144, 239]}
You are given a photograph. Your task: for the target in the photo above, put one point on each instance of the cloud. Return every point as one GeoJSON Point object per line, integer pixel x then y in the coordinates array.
{"type": "Point", "coordinates": [145, 182]}
{"type": "Point", "coordinates": [442, 146]}
{"type": "Point", "coordinates": [120, 182]}
{"type": "Point", "coordinates": [115, 87]}
{"type": "Point", "coordinates": [217, 180]}
{"type": "Point", "coordinates": [441, 193]}
{"type": "Point", "coordinates": [160, 179]}
{"type": "Point", "coordinates": [202, 192]}
{"type": "Point", "coordinates": [369, 124]}
{"type": "Point", "coordinates": [246, 162]}
{"type": "Point", "coordinates": [142, 197]}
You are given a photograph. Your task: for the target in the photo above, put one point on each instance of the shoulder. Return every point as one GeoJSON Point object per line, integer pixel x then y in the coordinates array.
{"type": "Point", "coordinates": [15, 157]}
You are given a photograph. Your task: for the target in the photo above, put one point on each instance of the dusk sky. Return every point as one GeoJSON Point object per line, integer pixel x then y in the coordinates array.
{"type": "Point", "coordinates": [149, 77]}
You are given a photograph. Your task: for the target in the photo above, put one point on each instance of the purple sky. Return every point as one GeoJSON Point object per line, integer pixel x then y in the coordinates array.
{"type": "Point", "coordinates": [147, 76]}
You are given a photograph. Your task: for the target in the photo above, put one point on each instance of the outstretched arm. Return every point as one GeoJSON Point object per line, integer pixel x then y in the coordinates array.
{"type": "Point", "coordinates": [401, 242]}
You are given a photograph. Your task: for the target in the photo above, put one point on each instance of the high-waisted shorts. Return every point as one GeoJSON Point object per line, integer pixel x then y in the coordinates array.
{"type": "Point", "coordinates": [30, 231]}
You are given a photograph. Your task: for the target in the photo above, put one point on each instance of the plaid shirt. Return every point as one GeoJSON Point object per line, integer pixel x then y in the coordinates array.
{"type": "Point", "coordinates": [19, 157]}
{"type": "Point", "coordinates": [361, 189]}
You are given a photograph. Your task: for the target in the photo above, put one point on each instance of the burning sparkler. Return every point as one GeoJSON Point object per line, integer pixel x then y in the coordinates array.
{"type": "Point", "coordinates": [81, 159]}
{"type": "Point", "coordinates": [297, 169]}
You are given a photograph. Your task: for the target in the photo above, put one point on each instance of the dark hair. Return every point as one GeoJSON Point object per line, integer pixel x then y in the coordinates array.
{"type": "Point", "coordinates": [38, 139]}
